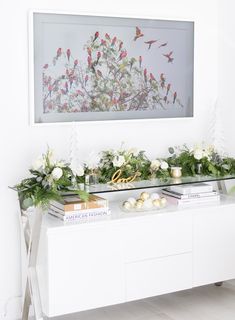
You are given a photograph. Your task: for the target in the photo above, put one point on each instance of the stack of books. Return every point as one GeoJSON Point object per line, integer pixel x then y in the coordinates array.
{"type": "Point", "coordinates": [73, 208]}
{"type": "Point", "coordinates": [188, 194]}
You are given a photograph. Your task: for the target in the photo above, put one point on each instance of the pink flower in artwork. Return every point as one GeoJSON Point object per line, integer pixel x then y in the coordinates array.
{"type": "Point", "coordinates": [68, 52]}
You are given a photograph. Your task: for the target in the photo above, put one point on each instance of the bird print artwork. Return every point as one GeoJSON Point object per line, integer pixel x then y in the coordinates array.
{"type": "Point", "coordinates": [138, 34]}
{"type": "Point", "coordinates": [163, 45]}
{"type": "Point", "coordinates": [111, 74]}
{"type": "Point", "coordinates": [150, 43]}
{"type": "Point", "coordinates": [169, 56]}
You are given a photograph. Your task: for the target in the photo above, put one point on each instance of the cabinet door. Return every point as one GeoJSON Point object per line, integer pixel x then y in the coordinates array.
{"type": "Point", "coordinates": [214, 245]}
{"type": "Point", "coordinates": [86, 269]}
{"type": "Point", "coordinates": [158, 235]}
{"type": "Point", "coordinates": [158, 276]}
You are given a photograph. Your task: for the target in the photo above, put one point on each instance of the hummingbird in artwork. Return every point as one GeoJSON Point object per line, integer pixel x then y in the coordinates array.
{"type": "Point", "coordinates": [96, 36]}
{"type": "Point", "coordinates": [120, 46]}
{"type": "Point", "coordinates": [174, 97]}
{"type": "Point", "coordinates": [140, 61]}
{"type": "Point", "coordinates": [103, 42]}
{"type": "Point", "coordinates": [107, 36]}
{"type": "Point", "coordinates": [68, 53]}
{"type": "Point", "coordinates": [163, 80]}
{"type": "Point", "coordinates": [66, 87]}
{"type": "Point", "coordinates": [163, 45]}
{"type": "Point", "coordinates": [152, 78]}
{"type": "Point", "coordinates": [168, 88]}
{"type": "Point", "coordinates": [99, 73]}
{"type": "Point", "coordinates": [89, 51]}
{"type": "Point", "coordinates": [138, 33]}
{"type": "Point", "coordinates": [50, 88]}
{"type": "Point", "coordinates": [86, 79]}
{"type": "Point", "coordinates": [89, 61]}
{"type": "Point", "coordinates": [79, 93]}
{"type": "Point", "coordinates": [98, 57]}
{"type": "Point", "coordinates": [122, 55]}
{"type": "Point", "coordinates": [169, 56]}
{"type": "Point", "coordinates": [58, 53]}
{"type": "Point", "coordinates": [132, 61]}
{"type": "Point", "coordinates": [145, 75]}
{"type": "Point", "coordinates": [113, 41]}
{"type": "Point", "coordinates": [150, 43]}
{"type": "Point", "coordinates": [75, 63]}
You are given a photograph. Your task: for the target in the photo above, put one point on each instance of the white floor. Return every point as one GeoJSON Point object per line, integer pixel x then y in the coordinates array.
{"type": "Point", "coordinates": [203, 303]}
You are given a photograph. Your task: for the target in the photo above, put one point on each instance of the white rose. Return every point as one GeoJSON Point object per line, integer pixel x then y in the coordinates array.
{"type": "Point", "coordinates": [38, 164]}
{"type": "Point", "coordinates": [164, 165]}
{"type": "Point", "coordinates": [134, 151]}
{"type": "Point", "coordinates": [78, 170]}
{"type": "Point", "coordinates": [57, 173]}
{"type": "Point", "coordinates": [118, 161]}
{"type": "Point", "coordinates": [198, 154]}
{"type": "Point", "coordinates": [155, 164]}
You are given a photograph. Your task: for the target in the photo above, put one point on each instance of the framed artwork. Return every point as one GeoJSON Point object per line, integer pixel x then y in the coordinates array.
{"type": "Point", "coordinates": [92, 68]}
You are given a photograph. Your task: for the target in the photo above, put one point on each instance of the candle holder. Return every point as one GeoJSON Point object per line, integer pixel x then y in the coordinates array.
{"type": "Point", "coordinates": [176, 172]}
{"type": "Point", "coordinates": [198, 168]}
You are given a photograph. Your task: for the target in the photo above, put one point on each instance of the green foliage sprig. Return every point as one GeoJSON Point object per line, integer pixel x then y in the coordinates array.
{"type": "Point", "coordinates": [210, 161]}
{"type": "Point", "coordinates": [130, 162]}
{"type": "Point", "coordinates": [49, 179]}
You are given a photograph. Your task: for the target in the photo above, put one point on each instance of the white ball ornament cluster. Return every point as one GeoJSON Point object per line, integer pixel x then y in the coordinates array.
{"type": "Point", "coordinates": [145, 201]}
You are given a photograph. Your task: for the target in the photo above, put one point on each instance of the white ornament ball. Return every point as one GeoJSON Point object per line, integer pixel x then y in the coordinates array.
{"type": "Point", "coordinates": [132, 201]}
{"type": "Point", "coordinates": [139, 204]}
{"type": "Point", "coordinates": [148, 204]}
{"type": "Point", "coordinates": [144, 196]}
{"type": "Point", "coordinates": [154, 196]}
{"type": "Point", "coordinates": [127, 205]}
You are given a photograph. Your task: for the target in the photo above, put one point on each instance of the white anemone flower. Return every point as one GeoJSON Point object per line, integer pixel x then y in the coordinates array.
{"type": "Point", "coordinates": [164, 165]}
{"type": "Point", "coordinates": [39, 164]}
{"type": "Point", "coordinates": [57, 173]}
{"type": "Point", "coordinates": [155, 164]}
{"type": "Point", "coordinates": [198, 153]}
{"type": "Point", "coordinates": [118, 161]}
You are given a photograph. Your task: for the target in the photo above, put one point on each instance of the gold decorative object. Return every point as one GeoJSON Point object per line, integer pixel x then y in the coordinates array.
{"type": "Point", "coordinates": [116, 178]}
{"type": "Point", "coordinates": [176, 172]}
{"type": "Point", "coordinates": [144, 196]}
{"type": "Point", "coordinates": [163, 202]}
{"type": "Point", "coordinates": [156, 203]}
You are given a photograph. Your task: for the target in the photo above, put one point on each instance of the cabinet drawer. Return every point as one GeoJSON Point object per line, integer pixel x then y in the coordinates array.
{"type": "Point", "coordinates": [158, 276]}
{"type": "Point", "coordinates": [158, 235]}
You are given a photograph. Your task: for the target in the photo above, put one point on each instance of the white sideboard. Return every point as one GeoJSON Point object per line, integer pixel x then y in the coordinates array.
{"type": "Point", "coordinates": [129, 256]}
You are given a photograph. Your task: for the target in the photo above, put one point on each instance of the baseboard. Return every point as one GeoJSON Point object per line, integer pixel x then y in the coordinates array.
{"type": "Point", "coordinates": [10, 309]}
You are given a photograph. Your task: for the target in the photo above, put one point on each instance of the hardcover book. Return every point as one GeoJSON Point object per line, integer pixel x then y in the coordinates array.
{"type": "Point", "coordinates": [192, 188]}
{"type": "Point", "coordinates": [197, 195]}
{"type": "Point", "coordinates": [74, 203]}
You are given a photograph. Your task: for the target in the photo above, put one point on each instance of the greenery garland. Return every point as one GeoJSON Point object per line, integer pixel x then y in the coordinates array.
{"type": "Point", "coordinates": [50, 178]}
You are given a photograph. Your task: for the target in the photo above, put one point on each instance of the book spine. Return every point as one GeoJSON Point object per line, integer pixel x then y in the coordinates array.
{"type": "Point", "coordinates": [191, 190]}
{"type": "Point", "coordinates": [102, 203]}
{"type": "Point", "coordinates": [84, 211]}
{"type": "Point", "coordinates": [174, 200]}
{"type": "Point", "coordinates": [79, 216]}
{"type": "Point", "coordinates": [190, 196]}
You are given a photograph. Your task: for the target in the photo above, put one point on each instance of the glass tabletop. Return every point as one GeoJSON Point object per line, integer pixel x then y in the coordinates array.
{"type": "Point", "coordinates": [153, 183]}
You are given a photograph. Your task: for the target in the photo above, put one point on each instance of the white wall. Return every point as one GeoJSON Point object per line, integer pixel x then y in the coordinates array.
{"type": "Point", "coordinates": [227, 70]}
{"type": "Point", "coordinates": [20, 143]}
